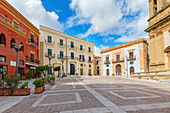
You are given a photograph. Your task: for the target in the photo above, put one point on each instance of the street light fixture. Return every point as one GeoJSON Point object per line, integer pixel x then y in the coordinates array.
{"type": "Point", "coordinates": [17, 47]}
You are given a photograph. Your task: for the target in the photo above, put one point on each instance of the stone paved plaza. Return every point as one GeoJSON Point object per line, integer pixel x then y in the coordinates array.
{"type": "Point", "coordinates": [98, 95]}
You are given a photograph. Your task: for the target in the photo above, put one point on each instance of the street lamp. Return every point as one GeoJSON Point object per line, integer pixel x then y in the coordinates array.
{"type": "Point", "coordinates": [62, 66]}
{"type": "Point", "coordinates": [17, 47]}
{"type": "Point", "coordinates": [49, 64]}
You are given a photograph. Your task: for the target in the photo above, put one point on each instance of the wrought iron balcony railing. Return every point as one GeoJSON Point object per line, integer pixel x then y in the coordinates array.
{"type": "Point", "coordinates": [32, 42]}
{"type": "Point", "coordinates": [72, 47]}
{"type": "Point", "coordinates": [61, 57]}
{"type": "Point", "coordinates": [81, 60]}
{"type": "Point", "coordinates": [29, 59]}
{"type": "Point", "coordinates": [107, 62]}
{"type": "Point", "coordinates": [118, 60]}
{"type": "Point", "coordinates": [53, 42]}
{"type": "Point", "coordinates": [62, 45]}
{"type": "Point", "coordinates": [131, 58]}
{"type": "Point", "coordinates": [49, 55]}
{"type": "Point", "coordinates": [90, 61]}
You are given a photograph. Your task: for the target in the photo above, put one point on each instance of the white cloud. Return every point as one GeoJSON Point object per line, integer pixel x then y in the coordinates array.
{"type": "Point", "coordinates": [34, 11]}
{"type": "Point", "coordinates": [107, 17]}
{"type": "Point", "coordinates": [99, 49]}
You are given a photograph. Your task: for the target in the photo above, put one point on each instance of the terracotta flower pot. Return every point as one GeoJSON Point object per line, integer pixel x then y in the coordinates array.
{"type": "Point", "coordinates": [7, 92]}
{"type": "Point", "coordinates": [25, 91]}
{"type": "Point", "coordinates": [46, 82]}
{"type": "Point", "coordinates": [17, 92]}
{"type": "Point", "coordinates": [38, 90]}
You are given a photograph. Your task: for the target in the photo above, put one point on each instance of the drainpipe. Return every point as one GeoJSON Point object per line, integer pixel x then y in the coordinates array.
{"type": "Point", "coordinates": [66, 58]}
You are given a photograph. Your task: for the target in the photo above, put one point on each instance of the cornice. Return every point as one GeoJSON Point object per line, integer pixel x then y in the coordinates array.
{"type": "Point", "coordinates": [62, 34]}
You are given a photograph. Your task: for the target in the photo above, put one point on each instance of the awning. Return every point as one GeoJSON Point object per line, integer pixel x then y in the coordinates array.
{"type": "Point", "coordinates": [167, 50]}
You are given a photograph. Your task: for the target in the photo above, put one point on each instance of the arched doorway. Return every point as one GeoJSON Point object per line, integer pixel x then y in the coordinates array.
{"type": "Point", "coordinates": [107, 71]}
{"type": "Point", "coordinates": [132, 70]}
{"type": "Point", "coordinates": [72, 69]}
{"type": "Point", "coordinates": [118, 70]}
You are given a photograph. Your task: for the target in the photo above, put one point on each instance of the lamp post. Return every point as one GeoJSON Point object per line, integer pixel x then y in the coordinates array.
{"type": "Point", "coordinates": [49, 64]}
{"type": "Point", "coordinates": [17, 47]}
{"type": "Point", "coordinates": [62, 67]}
{"type": "Point", "coordinates": [127, 65]}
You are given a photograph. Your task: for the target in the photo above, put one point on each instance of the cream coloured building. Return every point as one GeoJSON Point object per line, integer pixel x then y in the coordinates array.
{"type": "Point", "coordinates": [75, 55]}
{"type": "Point", "coordinates": [159, 35]}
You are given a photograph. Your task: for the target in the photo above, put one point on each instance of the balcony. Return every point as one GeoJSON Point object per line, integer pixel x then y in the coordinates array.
{"type": "Point", "coordinates": [61, 57]}
{"type": "Point", "coordinates": [107, 62]}
{"type": "Point", "coordinates": [32, 60]}
{"type": "Point", "coordinates": [90, 51]}
{"type": "Point", "coordinates": [12, 24]}
{"type": "Point", "coordinates": [49, 55]}
{"type": "Point", "coordinates": [82, 49]}
{"type": "Point", "coordinates": [118, 60]}
{"type": "Point", "coordinates": [81, 60]}
{"type": "Point", "coordinates": [90, 61]}
{"type": "Point", "coordinates": [33, 43]}
{"type": "Point", "coordinates": [61, 45]}
{"type": "Point", "coordinates": [131, 58]}
{"type": "Point", "coordinates": [72, 47]}
{"type": "Point", "coordinates": [72, 58]}
{"type": "Point", "coordinates": [53, 42]}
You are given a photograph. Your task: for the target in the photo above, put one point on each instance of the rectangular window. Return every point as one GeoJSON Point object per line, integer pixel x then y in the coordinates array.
{"type": "Point", "coordinates": [81, 47]}
{"type": "Point", "coordinates": [49, 39]}
{"type": "Point", "coordinates": [61, 54]}
{"type": "Point", "coordinates": [32, 38]}
{"type": "Point", "coordinates": [155, 6]}
{"type": "Point", "coordinates": [117, 57]}
{"type": "Point", "coordinates": [72, 44]}
{"type": "Point", "coordinates": [32, 57]}
{"type": "Point", "coordinates": [2, 59]}
{"type": "Point", "coordinates": [72, 55]}
{"type": "Point", "coordinates": [21, 62]}
{"type": "Point", "coordinates": [131, 55]}
{"type": "Point", "coordinates": [61, 42]}
{"type": "Point", "coordinates": [49, 52]}
{"type": "Point", "coordinates": [16, 25]}
{"type": "Point", "coordinates": [89, 49]}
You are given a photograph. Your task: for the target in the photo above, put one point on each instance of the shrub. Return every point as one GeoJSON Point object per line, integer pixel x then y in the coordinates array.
{"type": "Point", "coordinates": [29, 74]}
{"type": "Point", "coordinates": [37, 83]}
{"type": "Point", "coordinates": [42, 81]}
{"type": "Point", "coordinates": [24, 85]}
{"type": "Point", "coordinates": [51, 78]}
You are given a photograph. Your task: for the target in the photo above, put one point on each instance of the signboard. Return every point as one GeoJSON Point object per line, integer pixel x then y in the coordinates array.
{"type": "Point", "coordinates": [12, 63]}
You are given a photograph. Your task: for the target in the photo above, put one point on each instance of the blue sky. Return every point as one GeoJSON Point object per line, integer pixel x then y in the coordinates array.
{"type": "Point", "coordinates": [104, 22]}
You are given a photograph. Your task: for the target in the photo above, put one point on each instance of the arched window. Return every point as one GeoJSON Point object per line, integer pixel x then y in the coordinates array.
{"type": "Point", "coordinates": [2, 39]}
{"type": "Point", "coordinates": [22, 47]}
{"type": "Point", "coordinates": [12, 41]}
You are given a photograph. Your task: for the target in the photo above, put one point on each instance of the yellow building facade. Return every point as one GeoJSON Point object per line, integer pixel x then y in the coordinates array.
{"type": "Point", "coordinates": [75, 55]}
{"type": "Point", "coordinates": [159, 35]}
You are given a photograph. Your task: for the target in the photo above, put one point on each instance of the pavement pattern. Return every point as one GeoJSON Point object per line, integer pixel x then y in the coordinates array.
{"type": "Point", "coordinates": [98, 95]}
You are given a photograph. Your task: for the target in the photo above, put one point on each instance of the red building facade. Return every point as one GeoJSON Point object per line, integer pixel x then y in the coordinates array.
{"type": "Point", "coordinates": [15, 28]}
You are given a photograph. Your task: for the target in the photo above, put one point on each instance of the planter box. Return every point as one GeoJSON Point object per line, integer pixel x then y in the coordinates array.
{"type": "Point", "coordinates": [38, 90]}
{"type": "Point", "coordinates": [46, 82]}
{"type": "Point", "coordinates": [17, 92]}
{"type": "Point", "coordinates": [7, 92]}
{"type": "Point", "coordinates": [1, 92]}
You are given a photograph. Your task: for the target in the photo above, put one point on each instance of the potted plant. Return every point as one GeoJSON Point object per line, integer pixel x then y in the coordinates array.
{"type": "Point", "coordinates": [15, 83]}
{"type": "Point", "coordinates": [8, 85]}
{"type": "Point", "coordinates": [57, 69]}
{"type": "Point", "coordinates": [43, 83]}
{"type": "Point", "coordinates": [24, 90]}
{"type": "Point", "coordinates": [52, 79]}
{"type": "Point", "coordinates": [29, 75]}
{"type": "Point", "coordinates": [46, 80]}
{"type": "Point", "coordinates": [38, 87]}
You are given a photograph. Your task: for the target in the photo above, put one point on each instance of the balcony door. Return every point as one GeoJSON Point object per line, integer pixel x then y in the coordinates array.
{"type": "Point", "coordinates": [107, 72]}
